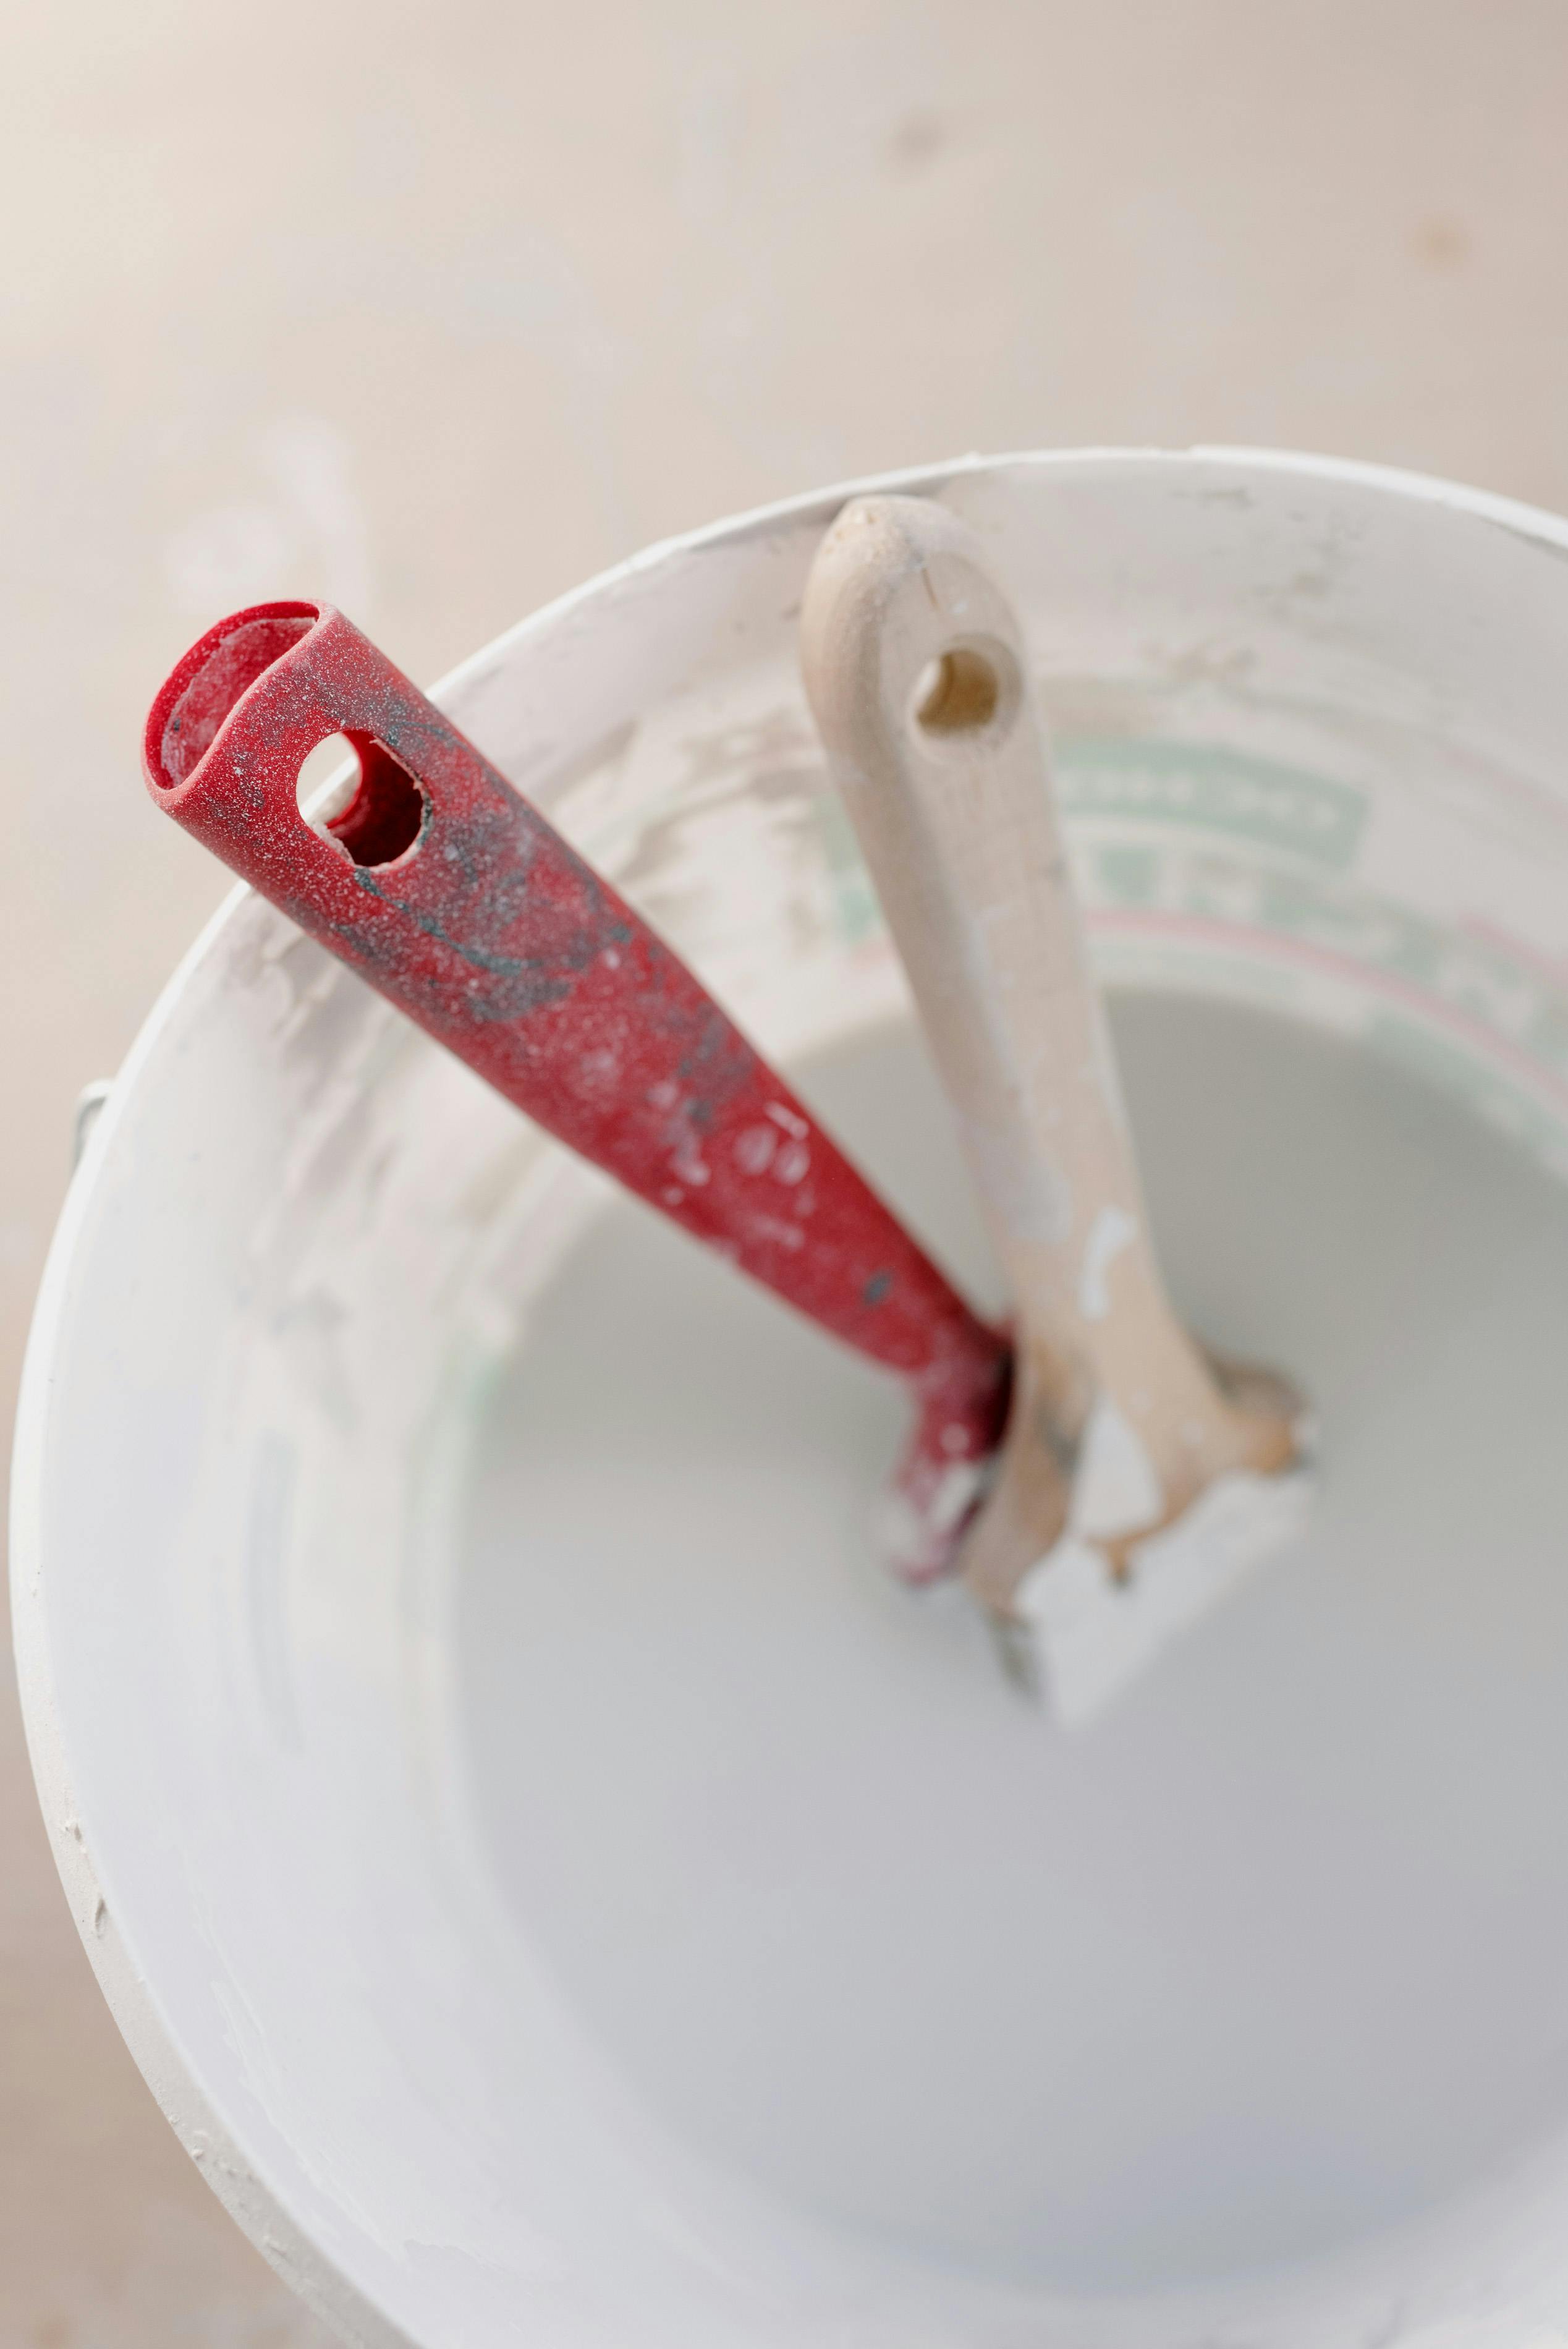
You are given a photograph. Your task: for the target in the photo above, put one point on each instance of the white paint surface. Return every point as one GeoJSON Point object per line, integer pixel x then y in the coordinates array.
{"type": "Point", "coordinates": [543, 1929]}
{"type": "Point", "coordinates": [1268, 1961]}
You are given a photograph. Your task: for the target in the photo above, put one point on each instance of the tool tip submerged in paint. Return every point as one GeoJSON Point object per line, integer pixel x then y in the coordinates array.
{"type": "Point", "coordinates": [1082, 1627]}
{"type": "Point", "coordinates": [1138, 1483]}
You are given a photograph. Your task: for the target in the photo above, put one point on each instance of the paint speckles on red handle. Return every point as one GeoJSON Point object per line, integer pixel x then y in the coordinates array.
{"type": "Point", "coordinates": [456, 899]}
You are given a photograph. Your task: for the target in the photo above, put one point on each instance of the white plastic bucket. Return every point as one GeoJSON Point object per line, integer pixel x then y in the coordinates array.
{"type": "Point", "coordinates": [1312, 729]}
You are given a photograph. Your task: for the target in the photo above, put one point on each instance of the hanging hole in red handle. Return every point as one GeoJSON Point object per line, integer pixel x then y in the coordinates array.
{"type": "Point", "coordinates": [328, 781]}
{"type": "Point", "coordinates": [373, 808]}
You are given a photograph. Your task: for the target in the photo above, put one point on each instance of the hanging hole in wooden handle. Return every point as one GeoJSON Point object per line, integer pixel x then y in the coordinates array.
{"type": "Point", "coordinates": [968, 690]}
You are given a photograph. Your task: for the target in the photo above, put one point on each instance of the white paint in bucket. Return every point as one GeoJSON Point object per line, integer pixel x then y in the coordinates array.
{"type": "Point", "coordinates": [1196, 1990]}
{"type": "Point", "coordinates": [351, 1787]}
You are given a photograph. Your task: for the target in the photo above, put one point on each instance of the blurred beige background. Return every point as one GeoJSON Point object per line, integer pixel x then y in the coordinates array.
{"type": "Point", "coordinates": [438, 311]}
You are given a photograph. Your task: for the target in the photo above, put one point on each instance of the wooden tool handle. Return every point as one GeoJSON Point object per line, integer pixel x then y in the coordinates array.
{"type": "Point", "coordinates": [917, 674]}
{"type": "Point", "coordinates": [456, 900]}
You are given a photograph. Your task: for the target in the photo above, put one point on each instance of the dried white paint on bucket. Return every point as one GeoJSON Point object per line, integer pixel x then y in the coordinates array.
{"type": "Point", "coordinates": [557, 1889]}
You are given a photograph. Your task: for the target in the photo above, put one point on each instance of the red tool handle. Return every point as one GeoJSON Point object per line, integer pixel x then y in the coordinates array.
{"type": "Point", "coordinates": [456, 899]}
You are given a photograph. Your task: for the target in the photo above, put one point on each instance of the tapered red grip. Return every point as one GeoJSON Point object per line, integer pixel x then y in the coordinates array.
{"type": "Point", "coordinates": [456, 899]}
